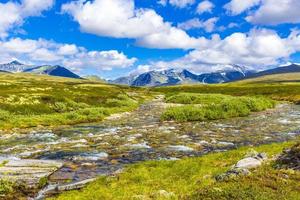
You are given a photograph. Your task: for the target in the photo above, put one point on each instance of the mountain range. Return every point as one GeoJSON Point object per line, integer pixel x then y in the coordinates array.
{"type": "Point", "coordinates": [175, 77]}
{"type": "Point", "coordinates": [56, 70]}
{"type": "Point", "coordinates": [229, 73]}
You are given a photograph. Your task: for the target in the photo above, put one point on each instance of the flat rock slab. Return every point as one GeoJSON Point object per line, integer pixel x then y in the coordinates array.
{"type": "Point", "coordinates": [27, 172]}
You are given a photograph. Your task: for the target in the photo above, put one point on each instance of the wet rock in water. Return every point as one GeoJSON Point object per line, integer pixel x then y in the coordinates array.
{"type": "Point", "coordinates": [226, 144]}
{"type": "Point", "coordinates": [290, 158]}
{"type": "Point", "coordinates": [27, 172]}
{"type": "Point", "coordinates": [55, 189]}
{"type": "Point", "coordinates": [90, 156]}
{"type": "Point", "coordinates": [242, 167]}
{"type": "Point", "coordinates": [75, 186]}
{"type": "Point", "coordinates": [180, 148]}
{"type": "Point", "coordinates": [143, 145]}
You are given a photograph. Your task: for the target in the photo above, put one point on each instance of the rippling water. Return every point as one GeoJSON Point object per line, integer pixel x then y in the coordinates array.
{"type": "Point", "coordinates": [102, 148]}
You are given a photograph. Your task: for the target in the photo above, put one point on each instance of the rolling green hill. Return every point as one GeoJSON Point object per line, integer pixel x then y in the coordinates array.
{"type": "Point", "coordinates": [28, 100]}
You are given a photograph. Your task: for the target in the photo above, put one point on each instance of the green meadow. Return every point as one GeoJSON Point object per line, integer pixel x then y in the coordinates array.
{"type": "Point", "coordinates": [32, 100]}
{"type": "Point", "coordinates": [36, 100]}
{"type": "Point", "coordinates": [194, 179]}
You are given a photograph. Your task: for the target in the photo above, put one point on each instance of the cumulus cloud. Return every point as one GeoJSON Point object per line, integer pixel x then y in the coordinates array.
{"type": "Point", "coordinates": [48, 52]}
{"type": "Point", "coordinates": [120, 19]}
{"type": "Point", "coordinates": [181, 3]}
{"type": "Point", "coordinates": [258, 48]}
{"type": "Point", "coordinates": [268, 12]}
{"type": "Point", "coordinates": [274, 12]}
{"type": "Point", "coordinates": [236, 7]}
{"type": "Point", "coordinates": [205, 6]}
{"type": "Point", "coordinates": [208, 25]}
{"type": "Point", "coordinates": [14, 13]}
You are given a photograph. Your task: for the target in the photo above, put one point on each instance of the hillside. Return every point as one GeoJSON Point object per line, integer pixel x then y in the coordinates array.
{"type": "Point", "coordinates": [29, 100]}
{"type": "Point", "coordinates": [52, 71]}
{"type": "Point", "coordinates": [275, 78]}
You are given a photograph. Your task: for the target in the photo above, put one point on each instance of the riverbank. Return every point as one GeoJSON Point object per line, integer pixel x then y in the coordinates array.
{"type": "Point", "coordinates": [194, 178]}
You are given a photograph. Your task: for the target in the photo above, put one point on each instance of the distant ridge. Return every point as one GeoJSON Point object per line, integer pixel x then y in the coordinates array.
{"type": "Point", "coordinates": [175, 77]}
{"type": "Point", "coordinates": [14, 67]}
{"type": "Point", "coordinates": [56, 70]}
{"type": "Point", "coordinates": [292, 68]}
{"type": "Point", "coordinates": [53, 71]}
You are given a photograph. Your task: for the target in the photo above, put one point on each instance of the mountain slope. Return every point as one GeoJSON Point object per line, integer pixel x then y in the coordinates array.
{"type": "Point", "coordinates": [14, 66]}
{"type": "Point", "coordinates": [292, 68]}
{"type": "Point", "coordinates": [53, 71]}
{"type": "Point", "coordinates": [175, 77]}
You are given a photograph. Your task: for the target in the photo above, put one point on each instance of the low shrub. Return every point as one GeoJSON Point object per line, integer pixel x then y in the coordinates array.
{"type": "Point", "coordinates": [212, 107]}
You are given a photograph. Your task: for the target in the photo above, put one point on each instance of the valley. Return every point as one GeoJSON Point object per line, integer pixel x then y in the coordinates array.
{"type": "Point", "coordinates": [95, 129]}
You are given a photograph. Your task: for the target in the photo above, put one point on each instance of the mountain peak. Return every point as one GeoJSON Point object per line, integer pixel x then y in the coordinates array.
{"type": "Point", "coordinates": [15, 62]}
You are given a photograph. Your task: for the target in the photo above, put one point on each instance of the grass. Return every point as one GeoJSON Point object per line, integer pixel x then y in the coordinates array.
{"type": "Point", "coordinates": [213, 106]}
{"type": "Point", "coordinates": [284, 91]}
{"type": "Point", "coordinates": [193, 178]}
{"type": "Point", "coordinates": [6, 187]}
{"type": "Point", "coordinates": [32, 100]}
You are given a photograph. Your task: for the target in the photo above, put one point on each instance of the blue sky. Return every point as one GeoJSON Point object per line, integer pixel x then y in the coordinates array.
{"type": "Point", "coordinates": [114, 38]}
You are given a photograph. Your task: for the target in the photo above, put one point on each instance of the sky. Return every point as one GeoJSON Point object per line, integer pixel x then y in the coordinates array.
{"type": "Point", "coordinates": [113, 38]}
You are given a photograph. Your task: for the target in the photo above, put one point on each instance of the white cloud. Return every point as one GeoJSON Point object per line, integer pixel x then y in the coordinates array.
{"type": "Point", "coordinates": [205, 6]}
{"type": "Point", "coordinates": [14, 13]}
{"type": "Point", "coordinates": [258, 48]}
{"type": "Point", "coordinates": [274, 12]}
{"type": "Point", "coordinates": [236, 7]}
{"type": "Point", "coordinates": [163, 2]}
{"type": "Point", "coordinates": [181, 3]}
{"type": "Point", "coordinates": [68, 49]}
{"type": "Point", "coordinates": [120, 19]}
{"type": "Point", "coordinates": [48, 52]}
{"type": "Point", "coordinates": [208, 25]}
{"type": "Point", "coordinates": [100, 60]}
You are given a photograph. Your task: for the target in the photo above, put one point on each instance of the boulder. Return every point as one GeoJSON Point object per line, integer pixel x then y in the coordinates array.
{"type": "Point", "coordinates": [242, 167]}
{"type": "Point", "coordinates": [248, 163]}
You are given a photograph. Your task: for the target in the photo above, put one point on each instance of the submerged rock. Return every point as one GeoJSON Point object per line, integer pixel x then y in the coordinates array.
{"type": "Point", "coordinates": [55, 189]}
{"type": "Point", "coordinates": [90, 156]}
{"type": "Point", "coordinates": [180, 148]}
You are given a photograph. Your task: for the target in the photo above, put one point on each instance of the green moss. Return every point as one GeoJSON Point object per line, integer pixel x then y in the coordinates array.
{"type": "Point", "coordinates": [6, 187]}
{"type": "Point", "coordinates": [43, 182]}
{"type": "Point", "coordinates": [193, 178]}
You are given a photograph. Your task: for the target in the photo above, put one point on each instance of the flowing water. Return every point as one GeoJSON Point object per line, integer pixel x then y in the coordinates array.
{"type": "Point", "coordinates": [102, 148]}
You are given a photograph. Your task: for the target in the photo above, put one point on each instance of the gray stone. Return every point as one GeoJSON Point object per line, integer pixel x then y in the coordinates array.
{"type": "Point", "coordinates": [248, 163]}
{"type": "Point", "coordinates": [27, 172]}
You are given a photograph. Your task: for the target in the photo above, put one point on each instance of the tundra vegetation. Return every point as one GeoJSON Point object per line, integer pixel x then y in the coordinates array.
{"type": "Point", "coordinates": [201, 107]}
{"type": "Point", "coordinates": [33, 100]}
{"type": "Point", "coordinates": [194, 178]}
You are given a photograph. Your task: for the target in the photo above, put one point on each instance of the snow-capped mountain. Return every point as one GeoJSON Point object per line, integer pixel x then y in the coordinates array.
{"type": "Point", "coordinates": [14, 67]}
{"type": "Point", "coordinates": [17, 67]}
{"type": "Point", "coordinates": [225, 73]}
